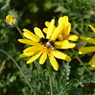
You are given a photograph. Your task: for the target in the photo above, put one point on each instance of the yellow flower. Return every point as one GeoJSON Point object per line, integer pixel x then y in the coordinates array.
{"type": "Point", "coordinates": [65, 32]}
{"type": "Point", "coordinates": [11, 20]}
{"type": "Point", "coordinates": [85, 50]}
{"type": "Point", "coordinates": [45, 47]}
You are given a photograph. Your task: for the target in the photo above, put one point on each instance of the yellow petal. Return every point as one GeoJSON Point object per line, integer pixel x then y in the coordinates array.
{"type": "Point", "coordinates": [22, 55]}
{"type": "Point", "coordinates": [26, 54]}
{"type": "Point", "coordinates": [43, 58]}
{"type": "Point", "coordinates": [62, 20]}
{"type": "Point", "coordinates": [92, 28]}
{"type": "Point", "coordinates": [28, 34]}
{"type": "Point", "coordinates": [26, 41]}
{"type": "Point", "coordinates": [85, 50]}
{"type": "Point", "coordinates": [38, 32]}
{"type": "Point", "coordinates": [31, 49]}
{"type": "Point", "coordinates": [34, 58]}
{"type": "Point", "coordinates": [59, 44]}
{"type": "Point", "coordinates": [92, 62]}
{"type": "Point", "coordinates": [87, 39]}
{"type": "Point", "coordinates": [45, 30]}
{"type": "Point", "coordinates": [73, 37]}
{"type": "Point", "coordinates": [54, 63]}
{"type": "Point", "coordinates": [61, 55]}
{"type": "Point", "coordinates": [64, 44]}
{"type": "Point", "coordinates": [50, 29]}
{"type": "Point", "coordinates": [68, 27]}
{"type": "Point", "coordinates": [68, 46]}
{"type": "Point", "coordinates": [57, 31]}
{"type": "Point", "coordinates": [47, 23]}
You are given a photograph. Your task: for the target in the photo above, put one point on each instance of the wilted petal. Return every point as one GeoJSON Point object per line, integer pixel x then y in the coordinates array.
{"type": "Point", "coordinates": [53, 63]}
{"type": "Point", "coordinates": [85, 50]}
{"type": "Point", "coordinates": [87, 39]}
{"type": "Point", "coordinates": [43, 58]}
{"type": "Point", "coordinates": [38, 32]}
{"type": "Point", "coordinates": [61, 55]}
{"type": "Point", "coordinates": [28, 34]}
{"type": "Point", "coordinates": [34, 58]}
{"type": "Point", "coordinates": [92, 62]}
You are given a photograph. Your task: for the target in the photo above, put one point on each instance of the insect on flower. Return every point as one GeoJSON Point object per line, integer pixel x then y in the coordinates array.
{"type": "Point", "coordinates": [48, 43]}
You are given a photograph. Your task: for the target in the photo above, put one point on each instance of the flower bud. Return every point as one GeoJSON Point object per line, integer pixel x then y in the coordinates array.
{"type": "Point", "coordinates": [11, 20]}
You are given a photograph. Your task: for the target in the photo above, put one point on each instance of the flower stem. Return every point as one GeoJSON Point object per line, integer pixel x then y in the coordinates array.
{"type": "Point", "coordinates": [50, 77]}
{"type": "Point", "coordinates": [3, 51]}
{"type": "Point", "coordinates": [81, 62]}
{"type": "Point", "coordinates": [20, 31]}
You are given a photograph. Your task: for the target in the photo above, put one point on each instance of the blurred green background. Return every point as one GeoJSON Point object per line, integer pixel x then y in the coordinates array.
{"type": "Point", "coordinates": [34, 13]}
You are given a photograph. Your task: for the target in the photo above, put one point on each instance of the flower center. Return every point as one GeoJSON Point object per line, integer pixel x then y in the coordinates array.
{"type": "Point", "coordinates": [64, 35]}
{"type": "Point", "coordinates": [45, 49]}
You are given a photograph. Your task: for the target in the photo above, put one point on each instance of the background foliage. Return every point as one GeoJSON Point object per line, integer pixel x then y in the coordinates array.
{"type": "Point", "coordinates": [72, 78]}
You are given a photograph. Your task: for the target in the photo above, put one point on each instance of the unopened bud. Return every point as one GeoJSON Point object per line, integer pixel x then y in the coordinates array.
{"type": "Point", "coordinates": [11, 20]}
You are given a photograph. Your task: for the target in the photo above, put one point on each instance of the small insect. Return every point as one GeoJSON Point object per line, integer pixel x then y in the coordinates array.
{"type": "Point", "coordinates": [47, 43]}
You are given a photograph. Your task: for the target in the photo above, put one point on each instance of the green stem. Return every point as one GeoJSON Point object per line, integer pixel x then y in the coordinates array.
{"type": "Point", "coordinates": [81, 62]}
{"type": "Point", "coordinates": [20, 31]}
{"type": "Point", "coordinates": [18, 68]}
{"type": "Point", "coordinates": [50, 77]}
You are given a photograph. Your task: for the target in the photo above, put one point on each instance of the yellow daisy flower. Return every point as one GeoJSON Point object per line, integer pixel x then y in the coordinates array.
{"type": "Point", "coordinates": [45, 47]}
{"type": "Point", "coordinates": [65, 32]}
{"type": "Point", "coordinates": [85, 50]}
{"type": "Point", "coordinates": [11, 20]}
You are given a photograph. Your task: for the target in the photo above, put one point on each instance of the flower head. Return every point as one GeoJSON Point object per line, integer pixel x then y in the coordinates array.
{"type": "Point", "coordinates": [85, 50]}
{"type": "Point", "coordinates": [11, 20]}
{"type": "Point", "coordinates": [45, 47]}
{"type": "Point", "coordinates": [65, 32]}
